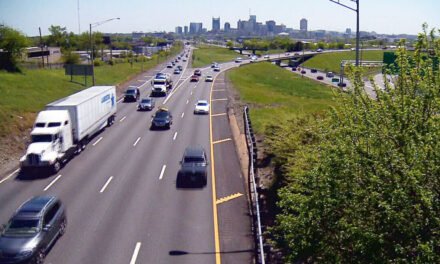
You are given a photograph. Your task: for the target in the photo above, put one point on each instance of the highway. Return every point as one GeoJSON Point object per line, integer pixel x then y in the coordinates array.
{"type": "Point", "coordinates": [120, 193]}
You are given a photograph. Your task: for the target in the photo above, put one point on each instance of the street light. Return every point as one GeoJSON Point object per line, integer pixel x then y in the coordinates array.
{"type": "Point", "coordinates": [357, 24]}
{"type": "Point", "coordinates": [91, 44]}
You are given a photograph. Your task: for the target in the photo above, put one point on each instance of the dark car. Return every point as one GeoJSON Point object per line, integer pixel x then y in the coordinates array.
{"type": "Point", "coordinates": [194, 168]}
{"type": "Point", "coordinates": [293, 68]}
{"type": "Point", "coordinates": [320, 77]}
{"type": "Point", "coordinates": [198, 72]}
{"type": "Point", "coordinates": [194, 78]}
{"type": "Point", "coordinates": [180, 67]}
{"type": "Point", "coordinates": [131, 94]}
{"type": "Point", "coordinates": [32, 230]}
{"type": "Point", "coordinates": [303, 72]}
{"type": "Point", "coordinates": [313, 70]}
{"type": "Point", "coordinates": [342, 84]}
{"type": "Point", "coordinates": [162, 119]}
{"type": "Point", "coordinates": [146, 104]}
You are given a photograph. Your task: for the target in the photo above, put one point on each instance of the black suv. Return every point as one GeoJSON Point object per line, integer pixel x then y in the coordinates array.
{"type": "Point", "coordinates": [32, 230]}
{"type": "Point", "coordinates": [132, 94]}
{"type": "Point", "coordinates": [162, 119]}
{"type": "Point", "coordinates": [194, 168]}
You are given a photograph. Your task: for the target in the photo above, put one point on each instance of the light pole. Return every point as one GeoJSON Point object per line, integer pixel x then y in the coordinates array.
{"type": "Point", "coordinates": [91, 44]}
{"type": "Point", "coordinates": [357, 24]}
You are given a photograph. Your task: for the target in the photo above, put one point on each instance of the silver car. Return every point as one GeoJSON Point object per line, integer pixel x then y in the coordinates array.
{"type": "Point", "coordinates": [146, 104]}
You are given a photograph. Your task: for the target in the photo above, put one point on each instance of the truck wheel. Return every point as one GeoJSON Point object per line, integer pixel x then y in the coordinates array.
{"type": "Point", "coordinates": [56, 166]}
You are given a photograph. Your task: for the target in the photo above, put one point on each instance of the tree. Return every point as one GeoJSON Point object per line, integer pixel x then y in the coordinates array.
{"type": "Point", "coordinates": [367, 188]}
{"type": "Point", "coordinates": [58, 36]}
{"type": "Point", "coordinates": [13, 42]}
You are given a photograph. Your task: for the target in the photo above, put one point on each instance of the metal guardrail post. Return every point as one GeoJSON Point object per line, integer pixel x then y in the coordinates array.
{"type": "Point", "coordinates": [252, 149]}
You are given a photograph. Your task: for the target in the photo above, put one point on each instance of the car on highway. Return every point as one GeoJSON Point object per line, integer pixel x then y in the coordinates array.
{"type": "Point", "coordinates": [194, 78]}
{"type": "Point", "coordinates": [313, 70]}
{"type": "Point", "coordinates": [320, 77]}
{"type": "Point", "coordinates": [342, 84]}
{"type": "Point", "coordinates": [330, 75]}
{"type": "Point", "coordinates": [176, 71]}
{"type": "Point", "coordinates": [202, 107]}
{"type": "Point", "coordinates": [131, 94]}
{"type": "Point", "coordinates": [193, 168]}
{"type": "Point", "coordinates": [296, 54]}
{"type": "Point", "coordinates": [184, 59]}
{"type": "Point", "coordinates": [303, 72]}
{"type": "Point", "coordinates": [180, 67]}
{"type": "Point", "coordinates": [214, 64]}
{"type": "Point", "coordinates": [170, 65]}
{"type": "Point", "coordinates": [146, 104]}
{"type": "Point", "coordinates": [33, 230]}
{"type": "Point", "coordinates": [217, 69]}
{"type": "Point", "coordinates": [238, 60]}
{"type": "Point", "coordinates": [293, 68]}
{"type": "Point", "coordinates": [266, 56]}
{"type": "Point", "coordinates": [162, 119]}
{"type": "Point", "coordinates": [319, 50]}
{"type": "Point", "coordinates": [198, 72]}
{"type": "Point", "coordinates": [209, 78]}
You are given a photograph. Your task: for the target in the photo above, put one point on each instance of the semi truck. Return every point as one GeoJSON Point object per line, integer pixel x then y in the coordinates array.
{"type": "Point", "coordinates": [65, 126]}
{"type": "Point", "coordinates": [161, 84]}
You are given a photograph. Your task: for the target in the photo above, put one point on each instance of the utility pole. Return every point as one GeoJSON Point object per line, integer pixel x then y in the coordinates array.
{"type": "Point", "coordinates": [41, 45]}
{"type": "Point", "coordinates": [357, 23]}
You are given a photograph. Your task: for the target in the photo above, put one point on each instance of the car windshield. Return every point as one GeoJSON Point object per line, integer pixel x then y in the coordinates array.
{"type": "Point", "coordinates": [146, 101]}
{"type": "Point", "coordinates": [202, 104]}
{"type": "Point", "coordinates": [131, 91]}
{"type": "Point", "coordinates": [191, 159]}
{"type": "Point", "coordinates": [22, 226]}
{"type": "Point", "coordinates": [159, 81]}
{"type": "Point", "coordinates": [41, 138]}
{"type": "Point", "coordinates": [161, 115]}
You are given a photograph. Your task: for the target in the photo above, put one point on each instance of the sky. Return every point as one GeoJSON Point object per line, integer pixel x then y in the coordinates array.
{"type": "Point", "coordinates": [381, 16]}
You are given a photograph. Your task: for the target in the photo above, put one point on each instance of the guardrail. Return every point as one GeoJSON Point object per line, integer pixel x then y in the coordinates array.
{"type": "Point", "coordinates": [253, 192]}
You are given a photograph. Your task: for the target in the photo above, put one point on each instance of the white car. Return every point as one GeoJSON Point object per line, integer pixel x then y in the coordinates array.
{"type": "Point", "coordinates": [238, 60]}
{"type": "Point", "coordinates": [266, 56]}
{"type": "Point", "coordinates": [202, 107]}
{"type": "Point", "coordinates": [209, 78]}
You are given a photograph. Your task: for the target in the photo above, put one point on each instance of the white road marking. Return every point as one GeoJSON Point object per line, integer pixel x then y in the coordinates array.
{"type": "Point", "coordinates": [106, 184]}
{"type": "Point", "coordinates": [97, 141]}
{"type": "Point", "coordinates": [175, 136]}
{"type": "Point", "coordinates": [191, 92]}
{"type": "Point", "coordinates": [122, 119]}
{"type": "Point", "coordinates": [187, 101]}
{"type": "Point", "coordinates": [175, 90]}
{"type": "Point", "coordinates": [162, 172]}
{"type": "Point", "coordinates": [52, 183]}
{"type": "Point", "coordinates": [183, 114]}
{"type": "Point", "coordinates": [10, 175]}
{"type": "Point", "coordinates": [137, 140]}
{"type": "Point", "coordinates": [221, 99]}
{"type": "Point", "coordinates": [135, 253]}
{"type": "Point", "coordinates": [120, 100]}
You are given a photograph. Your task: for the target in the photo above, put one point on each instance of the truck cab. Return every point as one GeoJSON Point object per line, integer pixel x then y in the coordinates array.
{"type": "Point", "coordinates": [51, 138]}
{"type": "Point", "coordinates": [161, 84]}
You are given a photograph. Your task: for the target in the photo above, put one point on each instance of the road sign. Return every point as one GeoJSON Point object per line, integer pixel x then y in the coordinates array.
{"type": "Point", "coordinates": [79, 69]}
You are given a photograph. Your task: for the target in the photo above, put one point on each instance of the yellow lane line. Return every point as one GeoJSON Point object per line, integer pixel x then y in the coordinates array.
{"type": "Point", "coordinates": [222, 114]}
{"type": "Point", "coordinates": [228, 198]}
{"type": "Point", "coordinates": [214, 193]}
{"type": "Point", "coordinates": [221, 141]}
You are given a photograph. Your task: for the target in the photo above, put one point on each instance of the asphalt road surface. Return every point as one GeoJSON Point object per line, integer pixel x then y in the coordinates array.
{"type": "Point", "coordinates": [120, 193]}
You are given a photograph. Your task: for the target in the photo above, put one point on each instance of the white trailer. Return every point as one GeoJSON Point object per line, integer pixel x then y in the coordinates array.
{"type": "Point", "coordinates": [65, 126]}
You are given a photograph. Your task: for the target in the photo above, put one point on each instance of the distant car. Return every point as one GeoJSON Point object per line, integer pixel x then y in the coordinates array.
{"type": "Point", "coordinates": [217, 69]}
{"type": "Point", "coordinates": [330, 75]}
{"type": "Point", "coordinates": [293, 68]}
{"type": "Point", "coordinates": [313, 70]}
{"type": "Point", "coordinates": [320, 77]}
{"type": "Point", "coordinates": [209, 78]}
{"type": "Point", "coordinates": [194, 168]}
{"type": "Point", "coordinates": [319, 50]}
{"type": "Point", "coordinates": [131, 94]}
{"type": "Point", "coordinates": [194, 78]}
{"type": "Point", "coordinates": [202, 107]}
{"type": "Point", "coordinates": [287, 54]}
{"type": "Point", "coordinates": [238, 60]}
{"type": "Point", "coordinates": [303, 72]}
{"type": "Point", "coordinates": [146, 104]}
{"type": "Point", "coordinates": [33, 230]}
{"type": "Point", "coordinates": [184, 60]}
{"type": "Point", "coordinates": [162, 119]}
{"type": "Point", "coordinates": [198, 72]}
{"type": "Point", "coordinates": [214, 64]}
{"type": "Point", "coordinates": [180, 67]}
{"type": "Point", "coordinates": [342, 84]}
{"type": "Point", "coordinates": [170, 65]}
{"type": "Point", "coordinates": [266, 56]}
{"type": "Point", "coordinates": [176, 71]}
{"type": "Point", "coordinates": [296, 54]}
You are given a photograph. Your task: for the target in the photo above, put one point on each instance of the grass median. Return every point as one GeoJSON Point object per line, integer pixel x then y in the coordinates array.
{"type": "Point", "coordinates": [204, 55]}
{"type": "Point", "coordinates": [275, 94]}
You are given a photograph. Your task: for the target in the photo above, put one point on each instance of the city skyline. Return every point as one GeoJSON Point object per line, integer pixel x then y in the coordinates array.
{"type": "Point", "coordinates": [27, 16]}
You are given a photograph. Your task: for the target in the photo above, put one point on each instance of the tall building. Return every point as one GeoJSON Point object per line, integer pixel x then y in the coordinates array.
{"type": "Point", "coordinates": [270, 26]}
{"type": "Point", "coordinates": [179, 30]}
{"type": "Point", "coordinates": [303, 24]}
{"type": "Point", "coordinates": [348, 31]}
{"type": "Point", "coordinates": [215, 24]}
{"type": "Point", "coordinates": [227, 27]}
{"type": "Point", "coordinates": [185, 30]}
{"type": "Point", "coordinates": [195, 28]}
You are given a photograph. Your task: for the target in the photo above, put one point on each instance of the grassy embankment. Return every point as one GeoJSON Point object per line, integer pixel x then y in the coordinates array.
{"type": "Point", "coordinates": [204, 55]}
{"type": "Point", "coordinates": [275, 94]}
{"type": "Point", "coordinates": [24, 94]}
{"type": "Point", "coordinates": [332, 61]}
